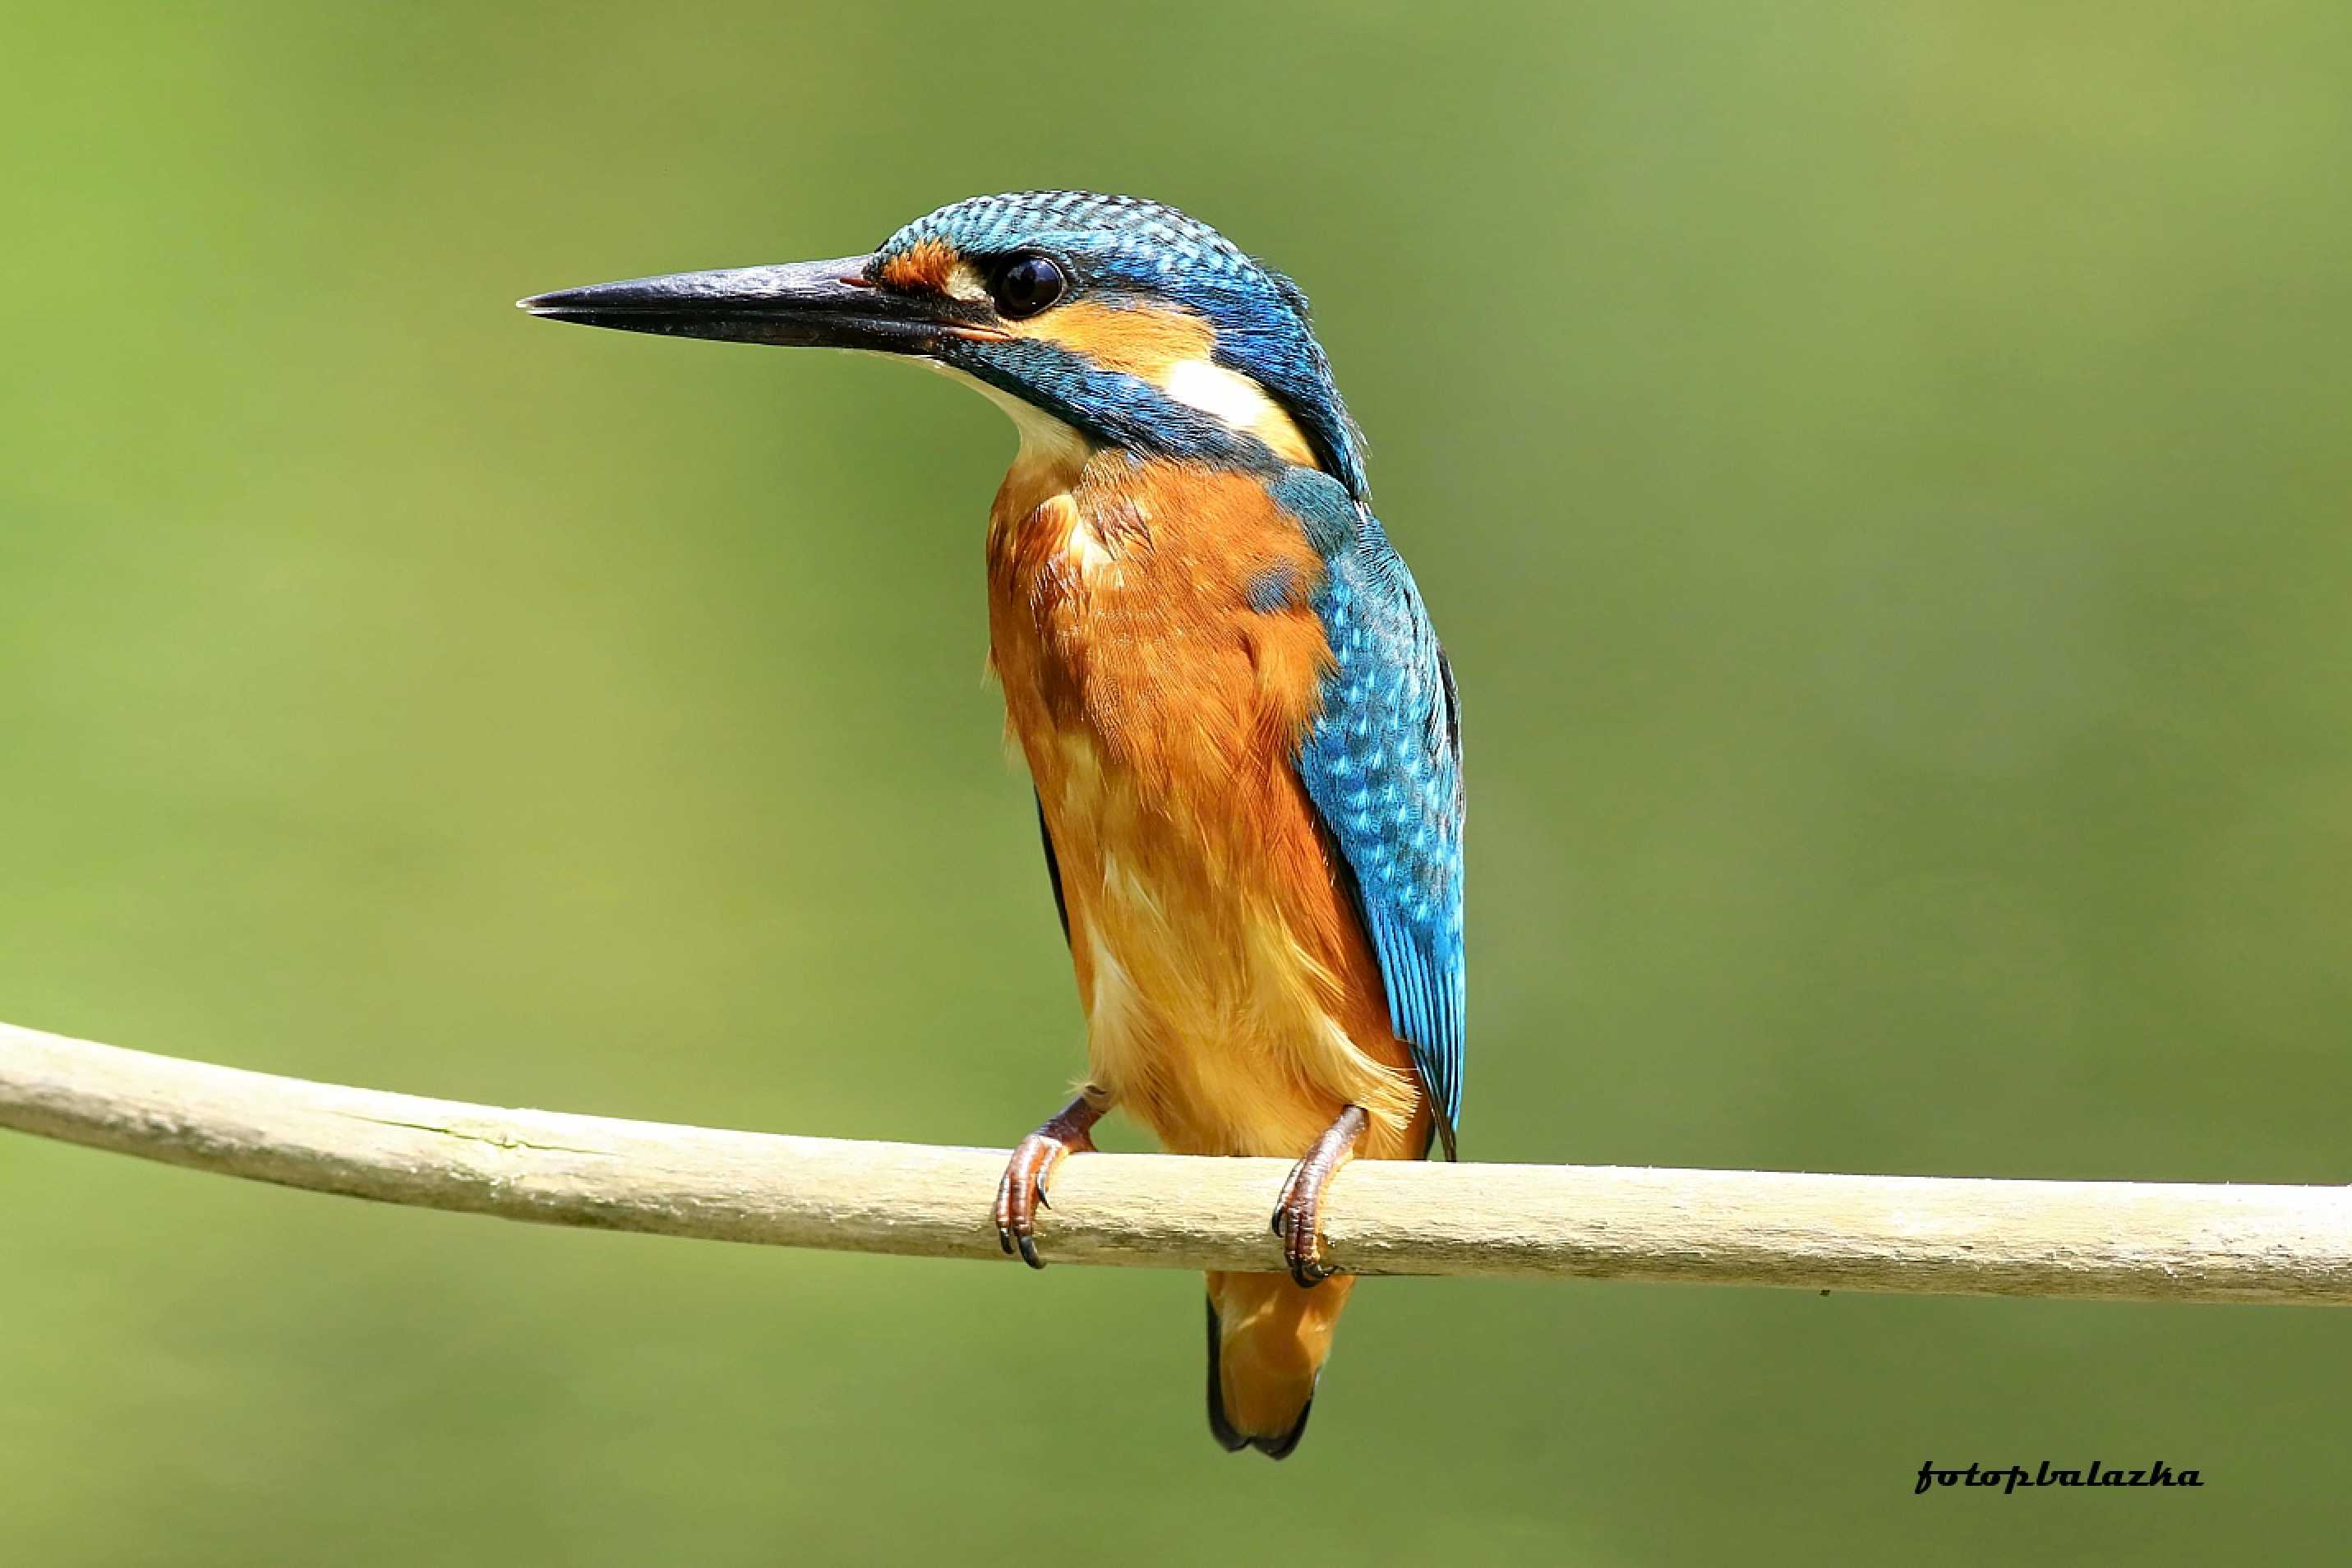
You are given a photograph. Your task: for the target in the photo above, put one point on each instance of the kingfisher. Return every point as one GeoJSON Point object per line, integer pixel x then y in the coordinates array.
{"type": "Point", "coordinates": [1245, 739]}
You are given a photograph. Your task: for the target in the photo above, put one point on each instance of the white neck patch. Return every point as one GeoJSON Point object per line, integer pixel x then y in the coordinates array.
{"type": "Point", "coordinates": [1239, 404]}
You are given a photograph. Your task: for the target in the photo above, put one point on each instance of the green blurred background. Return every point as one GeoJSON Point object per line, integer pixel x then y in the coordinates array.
{"type": "Point", "coordinates": [1881, 473]}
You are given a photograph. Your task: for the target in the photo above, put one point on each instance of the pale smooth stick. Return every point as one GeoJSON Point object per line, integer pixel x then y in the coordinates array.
{"type": "Point", "coordinates": [2113, 1240]}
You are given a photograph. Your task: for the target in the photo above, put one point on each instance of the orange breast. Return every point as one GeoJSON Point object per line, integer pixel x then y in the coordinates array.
{"type": "Point", "coordinates": [1149, 622]}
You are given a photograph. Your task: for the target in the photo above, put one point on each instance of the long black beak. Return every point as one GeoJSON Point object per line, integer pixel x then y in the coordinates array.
{"type": "Point", "coordinates": [802, 304]}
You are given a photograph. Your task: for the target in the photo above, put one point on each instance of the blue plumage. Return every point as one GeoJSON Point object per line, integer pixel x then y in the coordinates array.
{"type": "Point", "coordinates": [1116, 247]}
{"type": "Point", "coordinates": [1382, 763]}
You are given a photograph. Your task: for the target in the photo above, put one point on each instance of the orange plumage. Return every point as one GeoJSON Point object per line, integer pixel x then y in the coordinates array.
{"type": "Point", "coordinates": [930, 265]}
{"type": "Point", "coordinates": [1234, 1003]}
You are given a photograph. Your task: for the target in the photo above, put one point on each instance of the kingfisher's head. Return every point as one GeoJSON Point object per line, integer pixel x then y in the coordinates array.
{"type": "Point", "coordinates": [1108, 320]}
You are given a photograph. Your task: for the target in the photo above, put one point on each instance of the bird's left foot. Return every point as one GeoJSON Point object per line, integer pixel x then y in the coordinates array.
{"type": "Point", "coordinates": [1298, 1212]}
{"type": "Point", "coordinates": [1023, 1191]}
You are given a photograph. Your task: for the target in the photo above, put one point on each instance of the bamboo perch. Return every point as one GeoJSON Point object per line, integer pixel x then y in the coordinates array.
{"type": "Point", "coordinates": [2112, 1240]}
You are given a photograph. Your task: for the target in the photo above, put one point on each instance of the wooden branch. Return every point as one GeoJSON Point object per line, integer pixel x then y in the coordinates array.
{"type": "Point", "coordinates": [2105, 1239]}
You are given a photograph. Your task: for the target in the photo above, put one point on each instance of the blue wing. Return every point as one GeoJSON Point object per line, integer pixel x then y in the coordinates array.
{"type": "Point", "coordinates": [1382, 763]}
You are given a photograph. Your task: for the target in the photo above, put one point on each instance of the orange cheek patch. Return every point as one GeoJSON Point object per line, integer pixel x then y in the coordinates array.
{"type": "Point", "coordinates": [929, 264]}
{"type": "Point", "coordinates": [1143, 342]}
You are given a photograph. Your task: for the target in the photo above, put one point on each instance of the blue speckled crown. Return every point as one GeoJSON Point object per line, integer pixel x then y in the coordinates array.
{"type": "Point", "coordinates": [1153, 239]}
{"type": "Point", "coordinates": [1127, 245]}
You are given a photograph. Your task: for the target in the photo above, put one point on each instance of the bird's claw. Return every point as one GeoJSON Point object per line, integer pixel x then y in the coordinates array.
{"type": "Point", "coordinates": [1296, 1221]}
{"type": "Point", "coordinates": [1022, 1193]}
{"type": "Point", "coordinates": [1034, 1159]}
{"type": "Point", "coordinates": [1299, 1208]}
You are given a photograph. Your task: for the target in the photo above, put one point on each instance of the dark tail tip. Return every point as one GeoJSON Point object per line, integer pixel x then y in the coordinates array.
{"type": "Point", "coordinates": [1230, 1438]}
{"type": "Point", "coordinates": [1280, 1448]}
{"type": "Point", "coordinates": [1219, 1428]}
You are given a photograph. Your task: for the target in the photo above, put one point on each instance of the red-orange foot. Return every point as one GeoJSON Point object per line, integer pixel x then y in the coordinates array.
{"type": "Point", "coordinates": [1298, 1212]}
{"type": "Point", "coordinates": [1023, 1191]}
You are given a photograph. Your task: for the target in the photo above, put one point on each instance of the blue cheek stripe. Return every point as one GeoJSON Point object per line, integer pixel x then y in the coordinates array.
{"type": "Point", "coordinates": [1113, 407]}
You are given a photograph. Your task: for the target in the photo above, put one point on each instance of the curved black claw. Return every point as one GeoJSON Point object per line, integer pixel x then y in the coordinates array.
{"type": "Point", "coordinates": [1023, 1191]}
{"type": "Point", "coordinates": [1298, 1210]}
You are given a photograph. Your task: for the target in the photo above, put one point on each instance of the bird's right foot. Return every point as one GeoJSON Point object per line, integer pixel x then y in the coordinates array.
{"type": "Point", "coordinates": [1034, 1159]}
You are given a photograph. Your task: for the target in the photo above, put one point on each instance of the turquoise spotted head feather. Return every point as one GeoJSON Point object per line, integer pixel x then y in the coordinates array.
{"type": "Point", "coordinates": [1125, 252]}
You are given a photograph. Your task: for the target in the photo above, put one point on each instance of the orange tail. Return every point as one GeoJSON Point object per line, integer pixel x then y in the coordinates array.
{"type": "Point", "coordinates": [1267, 1342]}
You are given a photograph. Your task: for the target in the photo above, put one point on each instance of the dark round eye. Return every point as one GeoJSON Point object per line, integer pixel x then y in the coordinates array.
{"type": "Point", "coordinates": [1026, 285]}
